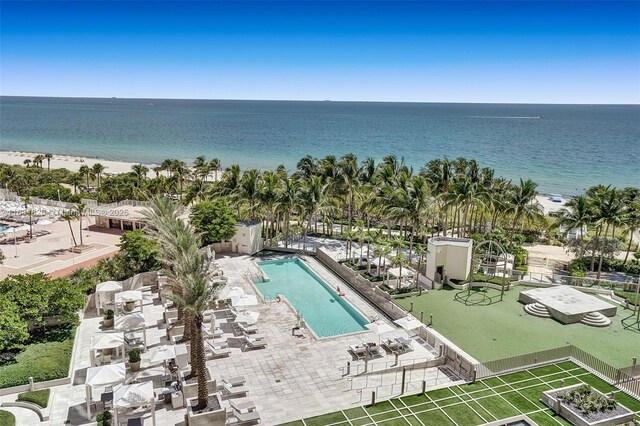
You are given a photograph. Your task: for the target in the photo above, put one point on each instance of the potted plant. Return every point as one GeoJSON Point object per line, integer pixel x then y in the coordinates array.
{"type": "Point", "coordinates": [134, 359]}
{"type": "Point", "coordinates": [108, 318]}
{"type": "Point", "coordinates": [128, 306]}
{"type": "Point", "coordinates": [104, 418]}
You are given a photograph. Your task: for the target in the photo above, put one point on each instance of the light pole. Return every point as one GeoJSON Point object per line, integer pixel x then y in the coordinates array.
{"type": "Point", "coordinates": [58, 195]}
{"type": "Point", "coordinates": [15, 241]}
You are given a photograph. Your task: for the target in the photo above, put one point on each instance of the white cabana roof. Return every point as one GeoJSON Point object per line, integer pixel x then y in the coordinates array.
{"type": "Point", "coordinates": [383, 262]}
{"type": "Point", "coordinates": [107, 340]}
{"type": "Point", "coordinates": [244, 300]}
{"type": "Point", "coordinates": [162, 353]}
{"type": "Point", "coordinates": [129, 322]}
{"type": "Point", "coordinates": [409, 322]}
{"type": "Point", "coordinates": [129, 296]}
{"type": "Point", "coordinates": [108, 286]}
{"type": "Point", "coordinates": [248, 317]}
{"type": "Point", "coordinates": [405, 272]}
{"type": "Point", "coordinates": [106, 375]}
{"type": "Point", "coordinates": [379, 327]}
{"type": "Point", "coordinates": [133, 395]}
{"type": "Point", "coordinates": [229, 292]}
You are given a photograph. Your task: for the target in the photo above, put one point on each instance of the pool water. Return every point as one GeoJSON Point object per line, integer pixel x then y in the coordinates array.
{"type": "Point", "coordinates": [322, 309]}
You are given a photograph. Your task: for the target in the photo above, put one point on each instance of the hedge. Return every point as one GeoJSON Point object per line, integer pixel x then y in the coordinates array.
{"type": "Point", "coordinates": [39, 397]}
{"type": "Point", "coordinates": [7, 418]}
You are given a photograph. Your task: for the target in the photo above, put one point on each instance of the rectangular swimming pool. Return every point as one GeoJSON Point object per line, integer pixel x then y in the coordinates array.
{"type": "Point", "coordinates": [322, 309]}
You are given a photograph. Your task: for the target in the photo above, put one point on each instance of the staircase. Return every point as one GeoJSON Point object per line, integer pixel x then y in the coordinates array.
{"type": "Point", "coordinates": [537, 310]}
{"type": "Point", "coordinates": [595, 319]}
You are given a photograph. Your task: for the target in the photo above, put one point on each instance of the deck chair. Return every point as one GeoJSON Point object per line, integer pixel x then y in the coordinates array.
{"type": "Point", "coordinates": [233, 391]}
{"type": "Point", "coordinates": [247, 329]}
{"type": "Point", "coordinates": [246, 418]}
{"type": "Point", "coordinates": [218, 350]}
{"type": "Point", "coordinates": [253, 344]}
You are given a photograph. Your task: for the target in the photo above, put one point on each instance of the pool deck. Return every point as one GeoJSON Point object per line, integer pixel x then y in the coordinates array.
{"type": "Point", "coordinates": [292, 377]}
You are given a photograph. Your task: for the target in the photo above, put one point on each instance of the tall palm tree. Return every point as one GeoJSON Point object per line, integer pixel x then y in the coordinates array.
{"type": "Point", "coordinates": [288, 201]}
{"type": "Point", "coordinates": [140, 173]}
{"type": "Point", "coordinates": [86, 172]}
{"type": "Point", "coordinates": [48, 157]}
{"type": "Point", "coordinates": [80, 212]}
{"type": "Point", "coordinates": [214, 166]}
{"type": "Point", "coordinates": [523, 204]}
{"type": "Point", "coordinates": [38, 159]}
{"type": "Point", "coordinates": [75, 180]}
{"type": "Point", "coordinates": [70, 215]}
{"type": "Point", "coordinates": [97, 170]}
{"type": "Point", "coordinates": [577, 213]}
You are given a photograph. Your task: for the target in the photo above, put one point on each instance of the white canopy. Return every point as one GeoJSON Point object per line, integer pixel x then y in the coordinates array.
{"type": "Point", "coordinates": [44, 222]}
{"type": "Point", "coordinates": [106, 375]}
{"type": "Point", "coordinates": [129, 296]}
{"type": "Point", "coordinates": [135, 395]}
{"type": "Point", "coordinates": [406, 272]}
{"type": "Point", "coordinates": [247, 317]}
{"type": "Point", "coordinates": [104, 341]}
{"type": "Point", "coordinates": [129, 322]}
{"type": "Point", "coordinates": [383, 262]}
{"type": "Point", "coordinates": [229, 292]}
{"type": "Point", "coordinates": [379, 327]}
{"type": "Point", "coordinates": [244, 300]}
{"type": "Point", "coordinates": [108, 286]}
{"type": "Point", "coordinates": [107, 340]}
{"type": "Point", "coordinates": [409, 322]}
{"type": "Point", "coordinates": [162, 353]}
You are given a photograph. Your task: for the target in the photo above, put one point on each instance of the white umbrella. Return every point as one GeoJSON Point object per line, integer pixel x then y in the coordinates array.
{"type": "Point", "coordinates": [129, 322]}
{"type": "Point", "coordinates": [134, 395]}
{"type": "Point", "coordinates": [107, 340]}
{"type": "Point", "coordinates": [244, 300]}
{"type": "Point", "coordinates": [409, 322]}
{"type": "Point", "coordinates": [379, 327]}
{"type": "Point", "coordinates": [247, 317]}
{"type": "Point", "coordinates": [44, 222]}
{"type": "Point", "coordinates": [162, 353]}
{"type": "Point", "coordinates": [405, 272]}
{"type": "Point", "coordinates": [229, 292]}
{"type": "Point", "coordinates": [106, 375]}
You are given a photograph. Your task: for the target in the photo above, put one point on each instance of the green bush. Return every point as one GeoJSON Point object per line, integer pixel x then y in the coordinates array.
{"type": "Point", "coordinates": [42, 361]}
{"type": "Point", "coordinates": [7, 418]}
{"type": "Point", "coordinates": [40, 397]}
{"type": "Point", "coordinates": [577, 268]}
{"type": "Point", "coordinates": [104, 418]}
{"type": "Point", "coordinates": [134, 355]}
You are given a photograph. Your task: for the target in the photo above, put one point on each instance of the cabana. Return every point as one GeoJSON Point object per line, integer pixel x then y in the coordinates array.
{"type": "Point", "coordinates": [244, 300]}
{"type": "Point", "coordinates": [133, 396]}
{"type": "Point", "coordinates": [129, 296]}
{"type": "Point", "coordinates": [105, 341]}
{"type": "Point", "coordinates": [105, 293]}
{"type": "Point", "coordinates": [130, 323]}
{"type": "Point", "coordinates": [103, 376]}
{"type": "Point", "coordinates": [229, 292]}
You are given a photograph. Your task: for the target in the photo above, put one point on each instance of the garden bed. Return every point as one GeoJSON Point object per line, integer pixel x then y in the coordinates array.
{"type": "Point", "coordinates": [584, 406]}
{"type": "Point", "coordinates": [39, 397]}
{"type": "Point", "coordinates": [47, 357]}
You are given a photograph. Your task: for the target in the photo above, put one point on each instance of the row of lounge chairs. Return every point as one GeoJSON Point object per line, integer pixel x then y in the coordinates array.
{"type": "Point", "coordinates": [242, 412]}
{"type": "Point", "coordinates": [396, 346]}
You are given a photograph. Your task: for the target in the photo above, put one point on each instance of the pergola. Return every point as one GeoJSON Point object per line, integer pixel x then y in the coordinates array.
{"type": "Point", "coordinates": [106, 375]}
{"type": "Point", "coordinates": [135, 395]}
{"type": "Point", "coordinates": [103, 341]}
{"type": "Point", "coordinates": [128, 296]}
{"type": "Point", "coordinates": [105, 294]}
{"type": "Point", "coordinates": [132, 322]}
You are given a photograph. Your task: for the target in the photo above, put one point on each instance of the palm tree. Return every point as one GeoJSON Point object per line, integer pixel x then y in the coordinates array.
{"type": "Point", "coordinates": [577, 213]}
{"type": "Point", "coordinates": [75, 180]}
{"type": "Point", "coordinates": [214, 165]}
{"type": "Point", "coordinates": [48, 157]}
{"type": "Point", "coordinates": [288, 201]}
{"type": "Point", "coordinates": [70, 215]}
{"type": "Point", "coordinates": [522, 203]}
{"type": "Point", "coordinates": [86, 172]}
{"type": "Point", "coordinates": [38, 159]}
{"type": "Point", "coordinates": [26, 162]}
{"type": "Point", "coordinates": [80, 210]}
{"type": "Point", "coordinates": [97, 170]}
{"type": "Point", "coordinates": [400, 260]}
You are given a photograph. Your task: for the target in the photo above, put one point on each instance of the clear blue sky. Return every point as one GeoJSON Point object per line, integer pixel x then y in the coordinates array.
{"type": "Point", "coordinates": [547, 52]}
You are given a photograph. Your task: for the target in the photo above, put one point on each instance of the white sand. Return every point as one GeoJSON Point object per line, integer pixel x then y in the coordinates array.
{"type": "Point", "coordinates": [67, 161]}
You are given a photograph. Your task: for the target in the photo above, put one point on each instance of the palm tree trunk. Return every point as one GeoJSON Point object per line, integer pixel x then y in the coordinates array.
{"type": "Point", "coordinates": [81, 230]}
{"type": "Point", "coordinates": [197, 345]}
{"type": "Point", "coordinates": [73, 237]}
{"type": "Point", "coordinates": [631, 231]}
{"type": "Point", "coordinates": [593, 250]}
{"type": "Point", "coordinates": [191, 326]}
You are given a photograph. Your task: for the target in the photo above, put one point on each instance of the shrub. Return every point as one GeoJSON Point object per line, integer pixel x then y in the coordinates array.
{"type": "Point", "coordinates": [577, 268]}
{"type": "Point", "coordinates": [108, 314]}
{"type": "Point", "coordinates": [7, 418]}
{"type": "Point", "coordinates": [134, 355]}
{"type": "Point", "coordinates": [104, 418]}
{"type": "Point", "coordinates": [40, 397]}
{"type": "Point", "coordinates": [213, 221]}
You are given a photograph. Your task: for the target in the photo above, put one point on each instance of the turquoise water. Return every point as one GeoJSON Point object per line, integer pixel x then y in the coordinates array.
{"type": "Point", "coordinates": [564, 148]}
{"type": "Point", "coordinates": [323, 310]}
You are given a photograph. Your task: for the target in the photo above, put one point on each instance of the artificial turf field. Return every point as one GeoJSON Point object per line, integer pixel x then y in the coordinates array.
{"type": "Point", "coordinates": [503, 329]}
{"type": "Point", "coordinates": [476, 403]}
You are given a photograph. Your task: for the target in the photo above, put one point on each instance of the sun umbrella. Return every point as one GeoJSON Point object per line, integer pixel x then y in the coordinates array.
{"type": "Point", "coordinates": [44, 222]}
{"type": "Point", "coordinates": [129, 296]}
{"type": "Point", "coordinates": [244, 300]}
{"type": "Point", "coordinates": [247, 317]}
{"type": "Point", "coordinates": [107, 340]}
{"type": "Point", "coordinates": [134, 395]}
{"type": "Point", "coordinates": [409, 322]}
{"type": "Point", "coordinates": [230, 292]}
{"type": "Point", "coordinates": [108, 286]}
{"type": "Point", "coordinates": [396, 272]}
{"type": "Point", "coordinates": [162, 353]}
{"type": "Point", "coordinates": [379, 327]}
{"type": "Point", "coordinates": [129, 322]}
{"type": "Point", "coordinates": [106, 375]}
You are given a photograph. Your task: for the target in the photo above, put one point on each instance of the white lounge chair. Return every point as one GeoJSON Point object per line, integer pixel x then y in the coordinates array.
{"type": "Point", "coordinates": [234, 381]}
{"type": "Point", "coordinates": [218, 350]}
{"type": "Point", "coordinates": [250, 343]}
{"type": "Point", "coordinates": [233, 391]}
{"type": "Point", "coordinates": [246, 329]}
{"type": "Point", "coordinates": [246, 418]}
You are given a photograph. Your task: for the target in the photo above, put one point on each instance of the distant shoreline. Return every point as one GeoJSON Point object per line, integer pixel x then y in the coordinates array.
{"type": "Point", "coordinates": [73, 163]}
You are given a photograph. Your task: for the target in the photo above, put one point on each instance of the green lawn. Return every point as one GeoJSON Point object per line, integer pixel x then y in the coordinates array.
{"type": "Point", "coordinates": [503, 329]}
{"type": "Point", "coordinates": [43, 361]}
{"type": "Point", "coordinates": [476, 403]}
{"type": "Point", "coordinates": [40, 397]}
{"type": "Point", "coordinates": [7, 418]}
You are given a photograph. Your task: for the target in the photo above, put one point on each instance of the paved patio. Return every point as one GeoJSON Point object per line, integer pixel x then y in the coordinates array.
{"type": "Point", "coordinates": [292, 377]}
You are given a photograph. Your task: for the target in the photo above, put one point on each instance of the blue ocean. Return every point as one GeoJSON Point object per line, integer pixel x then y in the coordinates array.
{"type": "Point", "coordinates": [565, 148]}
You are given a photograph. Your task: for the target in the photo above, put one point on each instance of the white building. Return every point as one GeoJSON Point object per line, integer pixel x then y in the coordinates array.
{"type": "Point", "coordinates": [448, 257]}
{"type": "Point", "coordinates": [248, 238]}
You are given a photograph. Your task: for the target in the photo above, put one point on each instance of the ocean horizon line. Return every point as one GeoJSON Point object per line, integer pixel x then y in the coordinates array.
{"type": "Point", "coordinates": [315, 100]}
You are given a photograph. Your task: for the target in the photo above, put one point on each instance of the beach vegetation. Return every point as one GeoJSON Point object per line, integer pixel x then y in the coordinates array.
{"type": "Point", "coordinates": [213, 221]}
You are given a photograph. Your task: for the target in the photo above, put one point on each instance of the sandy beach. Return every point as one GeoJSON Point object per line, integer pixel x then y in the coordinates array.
{"type": "Point", "coordinates": [70, 162]}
